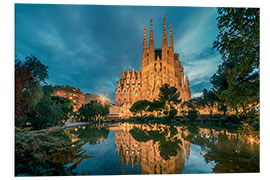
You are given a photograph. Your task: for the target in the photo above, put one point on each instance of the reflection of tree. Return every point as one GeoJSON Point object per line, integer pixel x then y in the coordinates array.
{"type": "Point", "coordinates": [73, 153]}
{"type": "Point", "coordinates": [228, 150]}
{"type": "Point", "coordinates": [77, 137]}
{"type": "Point", "coordinates": [91, 134]}
{"type": "Point", "coordinates": [233, 155]}
{"type": "Point", "coordinates": [168, 144]}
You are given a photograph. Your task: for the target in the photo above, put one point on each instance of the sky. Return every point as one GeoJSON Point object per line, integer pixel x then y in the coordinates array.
{"type": "Point", "coordinates": [87, 46]}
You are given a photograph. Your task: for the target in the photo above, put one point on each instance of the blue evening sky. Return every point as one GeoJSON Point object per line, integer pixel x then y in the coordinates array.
{"type": "Point", "coordinates": [87, 46]}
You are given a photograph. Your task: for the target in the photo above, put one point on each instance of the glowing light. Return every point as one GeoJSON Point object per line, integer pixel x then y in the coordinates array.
{"type": "Point", "coordinates": [103, 98]}
{"type": "Point", "coordinates": [251, 139]}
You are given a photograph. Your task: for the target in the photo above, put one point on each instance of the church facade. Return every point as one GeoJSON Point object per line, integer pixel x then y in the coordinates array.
{"type": "Point", "coordinates": [159, 66]}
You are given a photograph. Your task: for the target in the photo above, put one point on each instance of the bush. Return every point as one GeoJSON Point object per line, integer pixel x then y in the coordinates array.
{"type": "Point", "coordinates": [32, 154]}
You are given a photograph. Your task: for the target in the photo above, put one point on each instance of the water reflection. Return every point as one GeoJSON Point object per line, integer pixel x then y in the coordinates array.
{"type": "Point", "coordinates": [74, 153]}
{"type": "Point", "coordinates": [157, 149]}
{"type": "Point", "coordinates": [163, 149]}
{"type": "Point", "coordinates": [229, 151]}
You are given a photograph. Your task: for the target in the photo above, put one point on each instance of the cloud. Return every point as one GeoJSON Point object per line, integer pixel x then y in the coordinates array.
{"type": "Point", "coordinates": [196, 95]}
{"type": "Point", "coordinates": [198, 32]}
{"type": "Point", "coordinates": [88, 46]}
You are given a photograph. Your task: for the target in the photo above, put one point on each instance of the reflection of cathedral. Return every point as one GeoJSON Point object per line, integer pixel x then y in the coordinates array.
{"type": "Point", "coordinates": [147, 154]}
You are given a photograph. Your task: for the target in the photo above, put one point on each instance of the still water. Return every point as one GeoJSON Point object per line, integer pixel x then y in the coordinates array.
{"type": "Point", "coordinates": [125, 148]}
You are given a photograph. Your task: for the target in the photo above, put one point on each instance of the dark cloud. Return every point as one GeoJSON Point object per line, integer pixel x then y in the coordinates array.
{"type": "Point", "coordinates": [88, 46]}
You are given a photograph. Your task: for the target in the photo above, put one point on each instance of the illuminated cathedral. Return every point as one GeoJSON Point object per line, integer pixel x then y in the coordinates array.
{"type": "Point", "coordinates": [159, 66]}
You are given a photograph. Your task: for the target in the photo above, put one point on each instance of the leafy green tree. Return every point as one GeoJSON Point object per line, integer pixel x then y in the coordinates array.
{"type": "Point", "coordinates": [238, 43]}
{"type": "Point", "coordinates": [219, 82]}
{"type": "Point", "coordinates": [28, 76]}
{"type": "Point", "coordinates": [208, 100]}
{"type": "Point", "coordinates": [91, 111]}
{"type": "Point", "coordinates": [140, 106]}
{"type": "Point", "coordinates": [105, 110]}
{"type": "Point", "coordinates": [190, 108]}
{"type": "Point", "coordinates": [50, 110]}
{"type": "Point", "coordinates": [156, 106]}
{"type": "Point", "coordinates": [169, 97]}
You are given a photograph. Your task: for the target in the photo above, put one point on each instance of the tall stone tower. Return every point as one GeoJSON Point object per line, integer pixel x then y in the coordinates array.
{"type": "Point", "coordinates": [159, 66]}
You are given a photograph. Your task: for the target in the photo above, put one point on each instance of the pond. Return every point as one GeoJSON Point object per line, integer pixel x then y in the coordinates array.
{"type": "Point", "coordinates": [126, 148]}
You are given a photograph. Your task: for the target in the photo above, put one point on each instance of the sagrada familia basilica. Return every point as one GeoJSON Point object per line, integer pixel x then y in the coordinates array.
{"type": "Point", "coordinates": [159, 66]}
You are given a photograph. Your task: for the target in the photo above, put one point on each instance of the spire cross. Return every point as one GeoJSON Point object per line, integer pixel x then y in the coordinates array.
{"type": "Point", "coordinates": [151, 20]}
{"type": "Point", "coordinates": [170, 29]}
{"type": "Point", "coordinates": [164, 24]}
{"type": "Point", "coordinates": [144, 35]}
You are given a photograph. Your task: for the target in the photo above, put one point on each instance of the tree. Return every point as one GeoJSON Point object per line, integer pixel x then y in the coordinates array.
{"type": "Point", "coordinates": [237, 79]}
{"type": "Point", "coordinates": [169, 97]}
{"type": "Point", "coordinates": [208, 100]}
{"type": "Point", "coordinates": [28, 76]}
{"type": "Point", "coordinates": [156, 106]}
{"type": "Point", "coordinates": [91, 111]}
{"type": "Point", "coordinates": [49, 111]}
{"type": "Point", "coordinates": [190, 108]}
{"type": "Point", "coordinates": [140, 106]}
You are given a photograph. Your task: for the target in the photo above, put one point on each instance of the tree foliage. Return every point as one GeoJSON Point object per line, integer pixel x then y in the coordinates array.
{"type": "Point", "coordinates": [169, 98]}
{"type": "Point", "coordinates": [140, 106]}
{"type": "Point", "coordinates": [50, 110]}
{"type": "Point", "coordinates": [156, 106]}
{"type": "Point", "coordinates": [35, 106]}
{"type": "Point", "coordinates": [28, 76]}
{"type": "Point", "coordinates": [92, 111]}
{"type": "Point", "coordinates": [237, 79]}
{"type": "Point", "coordinates": [208, 100]}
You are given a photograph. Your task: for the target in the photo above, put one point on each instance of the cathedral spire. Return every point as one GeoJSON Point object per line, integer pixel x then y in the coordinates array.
{"type": "Point", "coordinates": [171, 47]}
{"type": "Point", "coordinates": [151, 44]}
{"type": "Point", "coordinates": [164, 41]}
{"type": "Point", "coordinates": [186, 82]}
{"type": "Point", "coordinates": [187, 90]}
{"type": "Point", "coordinates": [144, 53]}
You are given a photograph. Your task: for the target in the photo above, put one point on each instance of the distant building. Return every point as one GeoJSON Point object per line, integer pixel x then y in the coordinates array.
{"type": "Point", "coordinates": [115, 112]}
{"type": "Point", "coordinates": [74, 94]}
{"type": "Point", "coordinates": [159, 67]}
{"type": "Point", "coordinates": [94, 97]}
